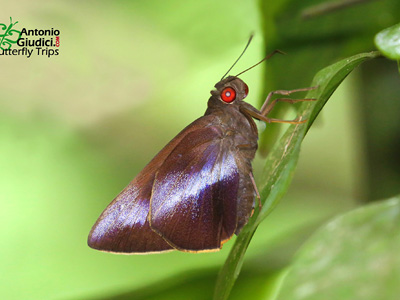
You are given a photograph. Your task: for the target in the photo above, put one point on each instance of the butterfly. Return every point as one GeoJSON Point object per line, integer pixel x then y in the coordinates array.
{"type": "Point", "coordinates": [199, 190]}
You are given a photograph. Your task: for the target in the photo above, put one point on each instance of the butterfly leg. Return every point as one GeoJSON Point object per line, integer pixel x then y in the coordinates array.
{"type": "Point", "coordinates": [269, 105]}
{"type": "Point", "coordinates": [256, 190]}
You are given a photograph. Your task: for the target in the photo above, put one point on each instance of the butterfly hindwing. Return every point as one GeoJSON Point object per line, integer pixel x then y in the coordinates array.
{"type": "Point", "coordinates": [194, 197]}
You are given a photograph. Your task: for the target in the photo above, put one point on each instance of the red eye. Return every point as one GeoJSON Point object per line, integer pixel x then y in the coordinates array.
{"type": "Point", "coordinates": [246, 90]}
{"type": "Point", "coordinates": [228, 94]}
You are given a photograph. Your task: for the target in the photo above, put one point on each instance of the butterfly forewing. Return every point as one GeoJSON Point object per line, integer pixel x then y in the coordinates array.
{"type": "Point", "coordinates": [193, 203]}
{"type": "Point", "coordinates": [123, 227]}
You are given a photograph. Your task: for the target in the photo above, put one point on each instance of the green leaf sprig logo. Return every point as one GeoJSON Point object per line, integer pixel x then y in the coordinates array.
{"type": "Point", "coordinates": [8, 35]}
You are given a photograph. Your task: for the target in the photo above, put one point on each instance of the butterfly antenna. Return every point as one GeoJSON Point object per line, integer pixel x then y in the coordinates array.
{"type": "Point", "coordinates": [264, 59]}
{"type": "Point", "coordinates": [245, 48]}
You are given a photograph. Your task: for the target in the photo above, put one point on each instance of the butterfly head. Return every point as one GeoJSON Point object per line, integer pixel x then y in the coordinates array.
{"type": "Point", "coordinates": [230, 90]}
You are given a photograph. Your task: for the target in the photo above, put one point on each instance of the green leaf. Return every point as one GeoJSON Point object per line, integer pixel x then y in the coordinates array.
{"type": "Point", "coordinates": [355, 256]}
{"type": "Point", "coordinates": [388, 42]}
{"type": "Point", "coordinates": [313, 33]}
{"type": "Point", "coordinates": [329, 78]}
{"type": "Point", "coordinates": [281, 163]}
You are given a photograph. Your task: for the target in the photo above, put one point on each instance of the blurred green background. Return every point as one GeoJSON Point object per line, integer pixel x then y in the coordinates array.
{"type": "Point", "coordinates": [77, 127]}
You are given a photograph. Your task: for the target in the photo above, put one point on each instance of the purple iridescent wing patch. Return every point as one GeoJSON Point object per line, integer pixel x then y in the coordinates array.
{"type": "Point", "coordinates": [194, 197]}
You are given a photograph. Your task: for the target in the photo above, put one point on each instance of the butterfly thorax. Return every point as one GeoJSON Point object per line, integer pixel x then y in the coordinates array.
{"type": "Point", "coordinates": [240, 130]}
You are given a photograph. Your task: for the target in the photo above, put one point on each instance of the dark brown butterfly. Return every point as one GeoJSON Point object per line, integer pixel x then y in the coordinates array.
{"type": "Point", "coordinates": [199, 189]}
